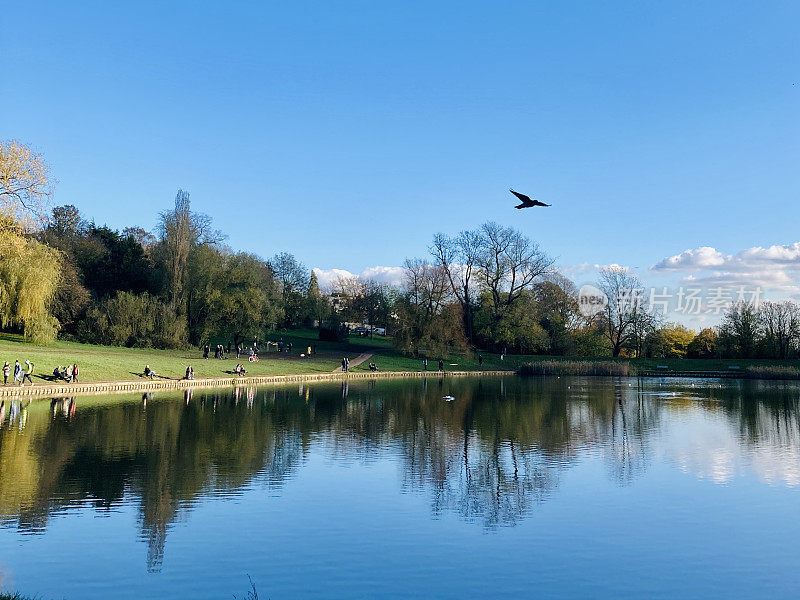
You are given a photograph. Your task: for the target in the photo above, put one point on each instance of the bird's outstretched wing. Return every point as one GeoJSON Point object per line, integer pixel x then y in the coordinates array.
{"type": "Point", "coordinates": [537, 203]}
{"type": "Point", "coordinates": [522, 197]}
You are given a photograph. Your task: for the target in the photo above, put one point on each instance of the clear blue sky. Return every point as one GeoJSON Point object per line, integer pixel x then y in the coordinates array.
{"type": "Point", "coordinates": [349, 132]}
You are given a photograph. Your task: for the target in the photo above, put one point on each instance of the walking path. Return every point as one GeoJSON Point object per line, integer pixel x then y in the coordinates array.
{"type": "Point", "coordinates": [357, 360]}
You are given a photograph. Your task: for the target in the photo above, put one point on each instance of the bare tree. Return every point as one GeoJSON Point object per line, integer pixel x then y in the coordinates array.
{"type": "Point", "coordinates": [781, 325]}
{"type": "Point", "coordinates": [426, 320]}
{"type": "Point", "coordinates": [349, 294]}
{"type": "Point", "coordinates": [459, 257]}
{"type": "Point", "coordinates": [143, 237]}
{"type": "Point", "coordinates": [427, 286]}
{"type": "Point", "coordinates": [740, 330]}
{"type": "Point", "coordinates": [290, 273]}
{"type": "Point", "coordinates": [508, 263]}
{"type": "Point", "coordinates": [626, 317]}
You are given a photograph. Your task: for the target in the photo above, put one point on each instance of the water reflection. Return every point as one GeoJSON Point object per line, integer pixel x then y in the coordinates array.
{"type": "Point", "coordinates": [490, 456]}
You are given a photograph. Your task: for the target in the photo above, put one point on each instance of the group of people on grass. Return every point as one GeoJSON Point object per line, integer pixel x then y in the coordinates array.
{"type": "Point", "coordinates": [18, 374]}
{"type": "Point", "coordinates": [219, 350]}
{"type": "Point", "coordinates": [69, 373]}
{"type": "Point", "coordinates": [189, 375]}
{"type": "Point", "coordinates": [21, 374]}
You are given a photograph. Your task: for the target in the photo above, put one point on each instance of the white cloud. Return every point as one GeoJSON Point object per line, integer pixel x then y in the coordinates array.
{"type": "Point", "coordinates": [327, 278]}
{"type": "Point", "coordinates": [389, 275]}
{"type": "Point", "coordinates": [700, 258]}
{"type": "Point", "coordinates": [774, 268]}
{"type": "Point", "coordinates": [788, 255]}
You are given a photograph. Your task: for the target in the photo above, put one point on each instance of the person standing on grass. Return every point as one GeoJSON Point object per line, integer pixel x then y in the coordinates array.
{"type": "Point", "coordinates": [75, 372]}
{"type": "Point", "coordinates": [28, 372]}
{"type": "Point", "coordinates": [424, 364]}
{"type": "Point", "coordinates": [206, 350]}
{"type": "Point", "coordinates": [441, 365]}
{"type": "Point", "coordinates": [17, 372]}
{"type": "Point", "coordinates": [6, 373]}
{"type": "Point", "coordinates": [480, 360]}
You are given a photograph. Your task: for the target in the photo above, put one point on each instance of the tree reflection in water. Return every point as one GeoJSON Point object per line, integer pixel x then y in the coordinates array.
{"type": "Point", "coordinates": [490, 456]}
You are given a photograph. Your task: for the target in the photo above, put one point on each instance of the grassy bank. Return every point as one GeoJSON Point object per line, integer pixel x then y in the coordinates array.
{"type": "Point", "coordinates": [739, 368]}
{"type": "Point", "coordinates": [104, 363]}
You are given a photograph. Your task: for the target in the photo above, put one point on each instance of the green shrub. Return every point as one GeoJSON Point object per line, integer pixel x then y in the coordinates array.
{"type": "Point", "coordinates": [133, 320]}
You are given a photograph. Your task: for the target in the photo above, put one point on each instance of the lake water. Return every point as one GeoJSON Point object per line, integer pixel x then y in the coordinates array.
{"type": "Point", "coordinates": [518, 488]}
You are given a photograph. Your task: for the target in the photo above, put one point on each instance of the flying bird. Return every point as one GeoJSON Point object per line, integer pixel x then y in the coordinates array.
{"type": "Point", "coordinates": [526, 201]}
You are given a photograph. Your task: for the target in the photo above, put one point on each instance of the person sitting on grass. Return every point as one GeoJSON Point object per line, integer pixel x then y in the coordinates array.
{"type": "Point", "coordinates": [148, 372]}
{"type": "Point", "coordinates": [239, 370]}
{"type": "Point", "coordinates": [189, 372]}
{"type": "Point", "coordinates": [62, 374]}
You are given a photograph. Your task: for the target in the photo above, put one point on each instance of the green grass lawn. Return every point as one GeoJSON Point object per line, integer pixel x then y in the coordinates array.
{"type": "Point", "coordinates": [392, 361]}
{"type": "Point", "coordinates": [103, 363]}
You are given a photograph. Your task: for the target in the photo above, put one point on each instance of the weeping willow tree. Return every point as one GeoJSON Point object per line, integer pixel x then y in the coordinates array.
{"type": "Point", "coordinates": [29, 276]}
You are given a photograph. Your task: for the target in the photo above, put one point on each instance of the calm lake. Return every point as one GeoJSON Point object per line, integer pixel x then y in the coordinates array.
{"type": "Point", "coordinates": [518, 488]}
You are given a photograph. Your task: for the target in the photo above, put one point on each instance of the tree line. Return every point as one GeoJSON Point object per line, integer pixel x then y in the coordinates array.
{"type": "Point", "coordinates": [490, 288]}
